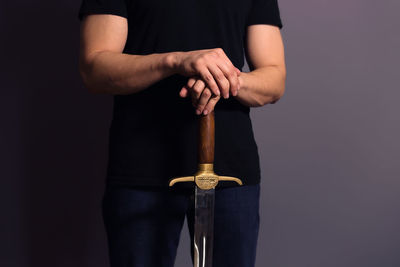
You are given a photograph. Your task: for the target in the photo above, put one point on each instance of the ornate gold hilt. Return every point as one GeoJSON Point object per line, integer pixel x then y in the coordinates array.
{"type": "Point", "coordinates": [205, 177]}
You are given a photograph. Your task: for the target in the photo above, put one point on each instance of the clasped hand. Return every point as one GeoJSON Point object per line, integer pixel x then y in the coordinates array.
{"type": "Point", "coordinates": [212, 75]}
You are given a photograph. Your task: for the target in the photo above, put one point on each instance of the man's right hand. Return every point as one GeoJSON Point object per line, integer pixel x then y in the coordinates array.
{"type": "Point", "coordinates": [212, 66]}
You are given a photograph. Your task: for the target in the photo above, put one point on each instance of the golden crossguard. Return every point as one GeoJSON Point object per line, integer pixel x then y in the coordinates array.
{"type": "Point", "coordinates": [205, 177]}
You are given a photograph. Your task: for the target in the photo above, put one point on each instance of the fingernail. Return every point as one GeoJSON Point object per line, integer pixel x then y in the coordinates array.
{"type": "Point", "coordinates": [205, 112]}
{"type": "Point", "coordinates": [198, 112]}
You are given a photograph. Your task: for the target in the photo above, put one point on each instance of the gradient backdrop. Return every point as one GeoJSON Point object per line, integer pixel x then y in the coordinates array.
{"type": "Point", "coordinates": [329, 148]}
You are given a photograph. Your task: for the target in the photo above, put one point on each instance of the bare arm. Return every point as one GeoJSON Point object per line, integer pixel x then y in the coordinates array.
{"type": "Point", "coordinates": [265, 83]}
{"type": "Point", "coordinates": [105, 69]}
{"type": "Point", "coordinates": [103, 66]}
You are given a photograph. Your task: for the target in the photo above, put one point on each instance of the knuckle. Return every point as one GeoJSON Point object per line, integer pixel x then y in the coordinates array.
{"type": "Point", "coordinates": [201, 83]}
{"type": "Point", "coordinates": [207, 93]}
{"type": "Point", "coordinates": [219, 50]}
{"type": "Point", "coordinates": [233, 83]}
{"type": "Point", "coordinates": [197, 90]}
{"type": "Point", "coordinates": [208, 77]}
{"type": "Point", "coordinates": [219, 76]}
{"type": "Point", "coordinates": [204, 57]}
{"type": "Point", "coordinates": [213, 53]}
{"type": "Point", "coordinates": [234, 77]}
{"type": "Point", "coordinates": [232, 74]}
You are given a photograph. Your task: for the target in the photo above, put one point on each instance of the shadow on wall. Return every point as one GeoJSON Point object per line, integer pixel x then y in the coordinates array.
{"type": "Point", "coordinates": [64, 138]}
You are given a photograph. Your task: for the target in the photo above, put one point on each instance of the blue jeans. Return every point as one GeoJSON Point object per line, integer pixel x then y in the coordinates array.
{"type": "Point", "coordinates": [143, 225]}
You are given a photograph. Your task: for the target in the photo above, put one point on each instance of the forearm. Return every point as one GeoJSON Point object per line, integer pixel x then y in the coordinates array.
{"type": "Point", "coordinates": [119, 73]}
{"type": "Point", "coordinates": [261, 86]}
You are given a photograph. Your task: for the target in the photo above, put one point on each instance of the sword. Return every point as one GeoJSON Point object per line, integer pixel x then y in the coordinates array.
{"type": "Point", "coordinates": [205, 181]}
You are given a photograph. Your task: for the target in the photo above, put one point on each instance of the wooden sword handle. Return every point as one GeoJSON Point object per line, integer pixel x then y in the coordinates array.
{"type": "Point", "coordinates": [206, 138]}
{"type": "Point", "coordinates": [205, 177]}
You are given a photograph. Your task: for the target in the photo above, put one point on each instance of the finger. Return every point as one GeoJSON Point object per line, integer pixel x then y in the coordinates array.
{"type": "Point", "coordinates": [206, 76]}
{"type": "Point", "coordinates": [220, 78]}
{"type": "Point", "coordinates": [231, 75]}
{"type": "Point", "coordinates": [227, 60]}
{"type": "Point", "coordinates": [221, 52]}
{"type": "Point", "coordinates": [205, 97]}
{"type": "Point", "coordinates": [231, 72]}
{"type": "Point", "coordinates": [198, 88]}
{"type": "Point", "coordinates": [184, 92]}
{"type": "Point", "coordinates": [211, 104]}
{"type": "Point", "coordinates": [191, 82]}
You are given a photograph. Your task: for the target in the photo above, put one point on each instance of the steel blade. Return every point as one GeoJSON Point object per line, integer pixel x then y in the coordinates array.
{"type": "Point", "coordinates": [203, 227]}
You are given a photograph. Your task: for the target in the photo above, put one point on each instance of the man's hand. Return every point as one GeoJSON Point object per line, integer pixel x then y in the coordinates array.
{"type": "Point", "coordinates": [206, 101]}
{"type": "Point", "coordinates": [213, 67]}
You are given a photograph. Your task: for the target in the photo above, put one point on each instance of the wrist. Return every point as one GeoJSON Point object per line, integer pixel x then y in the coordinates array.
{"type": "Point", "coordinates": [242, 82]}
{"type": "Point", "coordinates": [172, 61]}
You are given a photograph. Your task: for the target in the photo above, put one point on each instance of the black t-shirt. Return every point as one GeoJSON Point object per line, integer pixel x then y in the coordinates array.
{"type": "Point", "coordinates": [153, 133]}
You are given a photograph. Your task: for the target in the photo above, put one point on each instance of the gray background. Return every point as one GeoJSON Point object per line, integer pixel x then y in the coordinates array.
{"type": "Point", "coordinates": [329, 147]}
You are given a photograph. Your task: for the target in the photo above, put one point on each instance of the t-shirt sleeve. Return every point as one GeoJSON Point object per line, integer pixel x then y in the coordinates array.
{"type": "Point", "coordinates": [264, 12]}
{"type": "Point", "coordinates": [113, 7]}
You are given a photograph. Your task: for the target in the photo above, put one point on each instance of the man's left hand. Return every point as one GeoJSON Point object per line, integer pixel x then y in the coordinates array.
{"type": "Point", "coordinates": [203, 100]}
